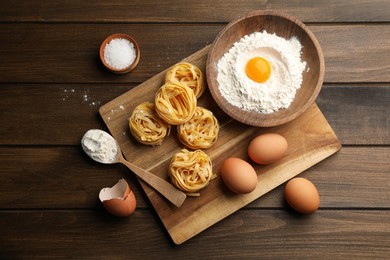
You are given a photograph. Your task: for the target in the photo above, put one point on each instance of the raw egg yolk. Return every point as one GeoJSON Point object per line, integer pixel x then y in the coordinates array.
{"type": "Point", "coordinates": [258, 69]}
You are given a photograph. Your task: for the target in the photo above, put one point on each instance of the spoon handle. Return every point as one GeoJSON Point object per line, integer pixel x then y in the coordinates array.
{"type": "Point", "coordinates": [166, 189]}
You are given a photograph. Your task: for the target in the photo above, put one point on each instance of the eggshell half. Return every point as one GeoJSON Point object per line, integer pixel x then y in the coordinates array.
{"type": "Point", "coordinates": [118, 200]}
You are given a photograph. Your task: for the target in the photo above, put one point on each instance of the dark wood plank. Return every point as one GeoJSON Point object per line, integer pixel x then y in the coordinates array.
{"type": "Point", "coordinates": [359, 114]}
{"type": "Point", "coordinates": [68, 53]}
{"type": "Point", "coordinates": [61, 178]}
{"type": "Point", "coordinates": [350, 57]}
{"type": "Point", "coordinates": [58, 177]}
{"type": "Point", "coordinates": [246, 234]}
{"type": "Point", "coordinates": [52, 114]}
{"type": "Point", "coordinates": [52, 85]}
{"type": "Point", "coordinates": [190, 11]}
{"type": "Point", "coordinates": [65, 53]}
{"type": "Point", "coordinates": [59, 114]}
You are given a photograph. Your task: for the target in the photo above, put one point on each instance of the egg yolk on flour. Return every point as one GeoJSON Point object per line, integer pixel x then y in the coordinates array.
{"type": "Point", "coordinates": [258, 69]}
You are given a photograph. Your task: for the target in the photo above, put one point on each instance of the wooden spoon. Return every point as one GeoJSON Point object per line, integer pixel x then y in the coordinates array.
{"type": "Point", "coordinates": [166, 189]}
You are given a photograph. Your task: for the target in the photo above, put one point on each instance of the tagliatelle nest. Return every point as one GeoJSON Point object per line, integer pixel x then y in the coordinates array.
{"type": "Point", "coordinates": [201, 131]}
{"type": "Point", "coordinates": [175, 103]}
{"type": "Point", "coordinates": [189, 74]}
{"type": "Point", "coordinates": [191, 171]}
{"type": "Point", "coordinates": [146, 126]}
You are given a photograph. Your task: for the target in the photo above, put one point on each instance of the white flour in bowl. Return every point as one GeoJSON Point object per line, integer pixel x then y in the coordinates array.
{"type": "Point", "coordinates": [279, 90]}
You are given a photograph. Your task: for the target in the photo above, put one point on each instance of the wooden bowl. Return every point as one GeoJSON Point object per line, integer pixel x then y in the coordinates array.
{"type": "Point", "coordinates": [283, 26]}
{"type": "Point", "coordinates": [122, 36]}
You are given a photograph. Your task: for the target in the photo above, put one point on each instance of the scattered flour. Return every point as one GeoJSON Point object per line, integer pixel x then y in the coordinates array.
{"type": "Point", "coordinates": [82, 94]}
{"type": "Point", "coordinates": [279, 90]}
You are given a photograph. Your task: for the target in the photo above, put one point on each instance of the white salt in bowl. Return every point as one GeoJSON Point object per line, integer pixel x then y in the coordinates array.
{"type": "Point", "coordinates": [118, 54]}
{"type": "Point", "coordinates": [283, 26]}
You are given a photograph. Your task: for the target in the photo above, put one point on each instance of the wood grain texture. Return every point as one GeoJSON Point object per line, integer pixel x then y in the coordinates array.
{"type": "Point", "coordinates": [64, 178]}
{"type": "Point", "coordinates": [357, 113]}
{"type": "Point", "coordinates": [162, 186]}
{"type": "Point", "coordinates": [55, 178]}
{"type": "Point", "coordinates": [365, 58]}
{"type": "Point", "coordinates": [346, 116]}
{"type": "Point", "coordinates": [190, 11]}
{"type": "Point", "coordinates": [35, 52]}
{"type": "Point", "coordinates": [54, 114]}
{"type": "Point", "coordinates": [310, 140]}
{"type": "Point", "coordinates": [52, 85]}
{"type": "Point", "coordinates": [247, 234]}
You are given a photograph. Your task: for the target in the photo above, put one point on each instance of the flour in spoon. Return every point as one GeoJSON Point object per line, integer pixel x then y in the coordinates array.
{"type": "Point", "coordinates": [278, 92]}
{"type": "Point", "coordinates": [100, 146]}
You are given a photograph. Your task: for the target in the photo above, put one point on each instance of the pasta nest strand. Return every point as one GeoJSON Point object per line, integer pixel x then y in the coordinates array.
{"type": "Point", "coordinates": [201, 131]}
{"type": "Point", "coordinates": [146, 126]}
{"type": "Point", "coordinates": [175, 103]}
{"type": "Point", "coordinates": [189, 74]}
{"type": "Point", "coordinates": [190, 171]}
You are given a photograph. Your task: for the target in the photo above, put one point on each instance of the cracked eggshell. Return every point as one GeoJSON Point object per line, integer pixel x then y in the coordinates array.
{"type": "Point", "coordinates": [118, 200]}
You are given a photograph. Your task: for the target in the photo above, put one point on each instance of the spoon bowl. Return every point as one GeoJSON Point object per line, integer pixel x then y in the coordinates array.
{"type": "Point", "coordinates": [95, 150]}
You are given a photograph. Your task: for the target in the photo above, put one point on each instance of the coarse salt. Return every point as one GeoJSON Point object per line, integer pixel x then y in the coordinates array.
{"type": "Point", "coordinates": [100, 146]}
{"type": "Point", "coordinates": [119, 53]}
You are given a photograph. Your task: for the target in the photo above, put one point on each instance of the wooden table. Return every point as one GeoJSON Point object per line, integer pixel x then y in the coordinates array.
{"type": "Point", "coordinates": [52, 85]}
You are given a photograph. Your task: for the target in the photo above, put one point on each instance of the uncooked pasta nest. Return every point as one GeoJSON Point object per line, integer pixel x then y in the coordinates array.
{"type": "Point", "coordinates": [146, 126]}
{"type": "Point", "coordinates": [191, 171]}
{"type": "Point", "coordinates": [201, 131]}
{"type": "Point", "coordinates": [175, 103]}
{"type": "Point", "coordinates": [189, 74]}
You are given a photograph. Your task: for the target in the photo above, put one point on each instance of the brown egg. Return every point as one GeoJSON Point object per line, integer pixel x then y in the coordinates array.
{"type": "Point", "coordinates": [119, 200]}
{"type": "Point", "coordinates": [238, 175]}
{"type": "Point", "coordinates": [302, 195]}
{"type": "Point", "coordinates": [267, 148]}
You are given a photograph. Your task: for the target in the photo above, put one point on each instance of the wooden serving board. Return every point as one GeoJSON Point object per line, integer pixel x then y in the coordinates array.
{"type": "Point", "coordinates": [310, 139]}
